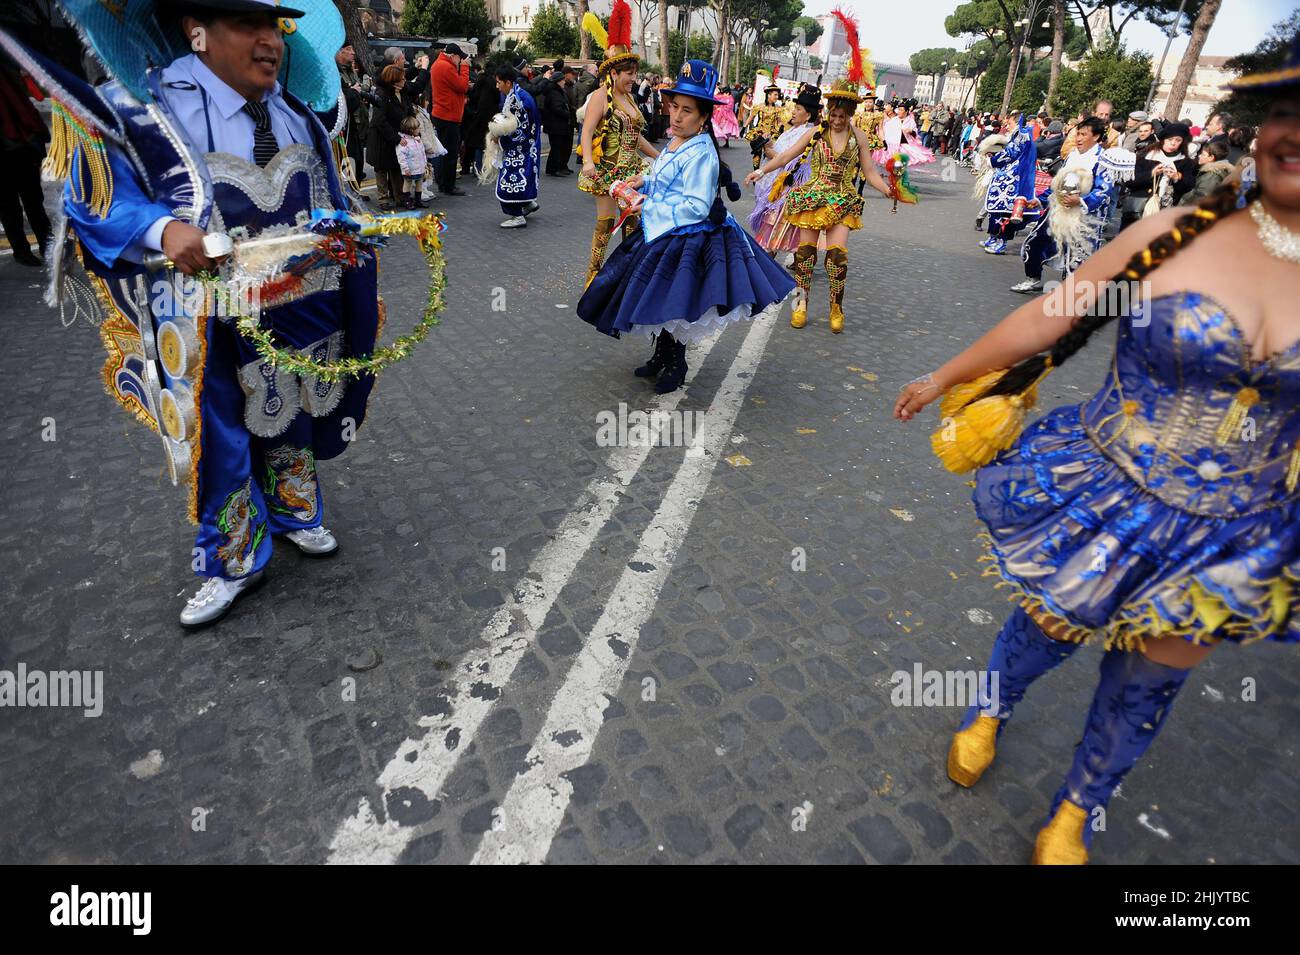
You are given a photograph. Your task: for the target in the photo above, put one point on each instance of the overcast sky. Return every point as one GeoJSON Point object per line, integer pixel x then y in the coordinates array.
{"type": "Point", "coordinates": [894, 31]}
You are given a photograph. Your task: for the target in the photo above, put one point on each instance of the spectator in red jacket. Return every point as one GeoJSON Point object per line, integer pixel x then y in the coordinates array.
{"type": "Point", "coordinates": [449, 82]}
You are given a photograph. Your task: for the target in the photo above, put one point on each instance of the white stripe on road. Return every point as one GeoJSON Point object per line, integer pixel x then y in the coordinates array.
{"type": "Point", "coordinates": [425, 763]}
{"type": "Point", "coordinates": [533, 810]}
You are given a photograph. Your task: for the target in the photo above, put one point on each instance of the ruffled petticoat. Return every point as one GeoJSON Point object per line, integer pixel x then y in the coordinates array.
{"type": "Point", "coordinates": [1083, 544]}
{"type": "Point", "coordinates": [687, 282]}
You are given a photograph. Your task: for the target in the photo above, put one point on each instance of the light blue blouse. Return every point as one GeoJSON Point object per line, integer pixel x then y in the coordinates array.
{"type": "Point", "coordinates": [680, 187]}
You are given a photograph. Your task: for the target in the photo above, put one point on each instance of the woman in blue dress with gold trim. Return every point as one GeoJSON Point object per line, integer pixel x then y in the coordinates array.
{"type": "Point", "coordinates": [1163, 514]}
{"type": "Point", "coordinates": [690, 268]}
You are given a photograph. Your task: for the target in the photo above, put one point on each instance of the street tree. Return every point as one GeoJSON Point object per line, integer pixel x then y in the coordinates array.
{"type": "Point", "coordinates": [551, 32]}
{"type": "Point", "coordinates": [467, 18]}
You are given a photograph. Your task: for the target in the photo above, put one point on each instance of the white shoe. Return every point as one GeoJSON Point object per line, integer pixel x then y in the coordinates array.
{"type": "Point", "coordinates": [314, 541]}
{"type": "Point", "coordinates": [215, 598]}
{"type": "Point", "coordinates": [1028, 286]}
{"type": "Point", "coordinates": [516, 222]}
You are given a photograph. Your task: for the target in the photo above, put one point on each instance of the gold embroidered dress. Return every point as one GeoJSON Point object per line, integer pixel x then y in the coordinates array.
{"type": "Point", "coordinates": [828, 198]}
{"type": "Point", "coordinates": [617, 156]}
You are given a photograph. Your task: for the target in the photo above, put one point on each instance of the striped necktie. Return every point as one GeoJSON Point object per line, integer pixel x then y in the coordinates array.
{"type": "Point", "coordinates": [264, 145]}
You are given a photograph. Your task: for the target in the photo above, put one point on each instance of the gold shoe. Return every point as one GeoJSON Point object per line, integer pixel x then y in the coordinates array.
{"type": "Point", "coordinates": [1061, 841]}
{"type": "Point", "coordinates": [972, 751]}
{"type": "Point", "coordinates": [837, 319]}
{"type": "Point", "coordinates": [799, 318]}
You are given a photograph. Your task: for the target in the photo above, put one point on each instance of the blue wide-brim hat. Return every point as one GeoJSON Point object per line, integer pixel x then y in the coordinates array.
{"type": "Point", "coordinates": [1288, 74]}
{"type": "Point", "coordinates": [130, 37]}
{"type": "Point", "coordinates": [697, 79]}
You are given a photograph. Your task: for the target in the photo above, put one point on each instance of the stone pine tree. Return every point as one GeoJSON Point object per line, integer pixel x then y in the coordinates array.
{"type": "Point", "coordinates": [1183, 78]}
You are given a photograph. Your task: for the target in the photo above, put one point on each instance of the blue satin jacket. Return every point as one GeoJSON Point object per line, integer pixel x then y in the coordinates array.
{"type": "Point", "coordinates": [680, 188]}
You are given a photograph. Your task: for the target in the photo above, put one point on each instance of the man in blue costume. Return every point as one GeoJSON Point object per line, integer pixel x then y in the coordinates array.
{"type": "Point", "coordinates": [521, 151]}
{"type": "Point", "coordinates": [1011, 188]}
{"type": "Point", "coordinates": [1072, 227]}
{"type": "Point", "coordinates": [212, 143]}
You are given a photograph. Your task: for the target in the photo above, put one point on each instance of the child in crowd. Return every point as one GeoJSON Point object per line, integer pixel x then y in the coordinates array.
{"type": "Point", "coordinates": [411, 160]}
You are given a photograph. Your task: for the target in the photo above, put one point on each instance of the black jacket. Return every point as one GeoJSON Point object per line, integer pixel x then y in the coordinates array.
{"type": "Point", "coordinates": [486, 101]}
{"type": "Point", "coordinates": [386, 130]}
{"type": "Point", "coordinates": [557, 115]}
{"type": "Point", "coordinates": [1142, 180]}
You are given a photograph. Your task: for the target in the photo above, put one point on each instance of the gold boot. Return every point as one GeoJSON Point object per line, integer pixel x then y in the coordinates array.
{"type": "Point", "coordinates": [973, 748]}
{"type": "Point", "coordinates": [1061, 841]}
{"type": "Point", "coordinates": [599, 242]}
{"type": "Point", "coordinates": [837, 267]}
{"type": "Point", "coordinates": [805, 257]}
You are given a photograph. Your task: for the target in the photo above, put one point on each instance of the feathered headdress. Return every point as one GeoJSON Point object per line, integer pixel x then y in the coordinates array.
{"type": "Point", "coordinates": [591, 23]}
{"type": "Point", "coordinates": [618, 41]}
{"type": "Point", "coordinates": [856, 74]}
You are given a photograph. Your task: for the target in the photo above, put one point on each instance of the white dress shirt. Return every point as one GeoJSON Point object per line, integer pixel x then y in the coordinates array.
{"type": "Point", "coordinates": [200, 101]}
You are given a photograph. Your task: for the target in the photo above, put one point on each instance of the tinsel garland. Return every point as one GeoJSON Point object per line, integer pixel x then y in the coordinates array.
{"type": "Point", "coordinates": [425, 230]}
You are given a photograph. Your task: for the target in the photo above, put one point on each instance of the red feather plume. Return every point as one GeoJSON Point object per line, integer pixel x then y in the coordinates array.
{"type": "Point", "coordinates": [850, 25]}
{"type": "Point", "coordinates": [620, 24]}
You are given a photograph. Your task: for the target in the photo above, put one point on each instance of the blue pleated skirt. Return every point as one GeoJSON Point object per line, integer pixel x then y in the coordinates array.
{"type": "Point", "coordinates": [687, 282]}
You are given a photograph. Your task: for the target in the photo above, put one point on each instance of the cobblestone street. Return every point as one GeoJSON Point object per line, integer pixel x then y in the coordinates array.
{"type": "Point", "coordinates": [584, 653]}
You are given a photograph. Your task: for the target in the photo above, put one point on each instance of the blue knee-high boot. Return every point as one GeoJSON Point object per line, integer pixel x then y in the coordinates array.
{"type": "Point", "coordinates": [1133, 699]}
{"type": "Point", "coordinates": [1021, 654]}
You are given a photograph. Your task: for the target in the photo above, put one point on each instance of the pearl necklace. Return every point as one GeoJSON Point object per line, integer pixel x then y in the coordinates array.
{"type": "Point", "coordinates": [1279, 241]}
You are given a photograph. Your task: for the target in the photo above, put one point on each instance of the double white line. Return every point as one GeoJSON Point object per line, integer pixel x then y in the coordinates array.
{"type": "Point", "coordinates": [534, 807]}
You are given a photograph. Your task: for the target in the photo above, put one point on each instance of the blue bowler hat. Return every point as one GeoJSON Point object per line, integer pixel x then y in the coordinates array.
{"type": "Point", "coordinates": [698, 79]}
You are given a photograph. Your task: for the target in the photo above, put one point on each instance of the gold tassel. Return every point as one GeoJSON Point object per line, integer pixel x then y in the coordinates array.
{"type": "Point", "coordinates": [1293, 469]}
{"type": "Point", "coordinates": [777, 187]}
{"type": "Point", "coordinates": [75, 151]}
{"type": "Point", "coordinates": [1130, 409]}
{"type": "Point", "coordinates": [1236, 415]}
{"type": "Point", "coordinates": [974, 434]}
{"type": "Point", "coordinates": [63, 142]}
{"type": "Point", "coordinates": [959, 396]}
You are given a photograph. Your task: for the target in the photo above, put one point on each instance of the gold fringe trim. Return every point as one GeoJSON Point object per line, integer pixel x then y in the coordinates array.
{"type": "Point", "coordinates": [196, 445]}
{"type": "Point", "coordinates": [823, 218]}
{"type": "Point", "coordinates": [1214, 620]}
{"type": "Point", "coordinates": [76, 151]}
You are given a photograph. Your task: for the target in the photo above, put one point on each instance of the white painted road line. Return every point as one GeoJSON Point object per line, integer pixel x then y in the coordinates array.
{"type": "Point", "coordinates": [534, 807]}
{"type": "Point", "coordinates": [425, 763]}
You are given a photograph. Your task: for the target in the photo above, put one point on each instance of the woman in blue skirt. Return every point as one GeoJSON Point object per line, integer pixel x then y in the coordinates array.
{"type": "Point", "coordinates": [690, 268]}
